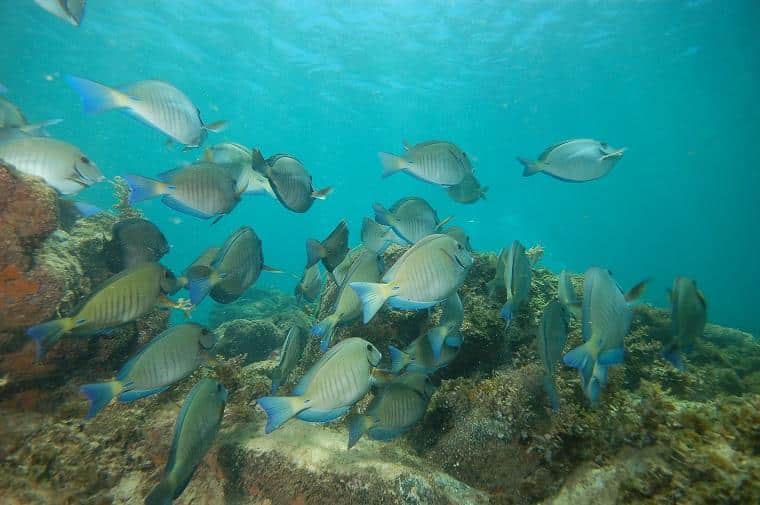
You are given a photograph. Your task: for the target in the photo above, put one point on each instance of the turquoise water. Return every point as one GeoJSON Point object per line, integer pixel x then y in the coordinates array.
{"type": "Point", "coordinates": [336, 82]}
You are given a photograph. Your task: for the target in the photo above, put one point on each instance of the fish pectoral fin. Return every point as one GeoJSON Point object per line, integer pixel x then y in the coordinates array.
{"type": "Point", "coordinates": [217, 126]}
{"type": "Point", "coordinates": [614, 154]}
{"type": "Point", "coordinates": [272, 270]}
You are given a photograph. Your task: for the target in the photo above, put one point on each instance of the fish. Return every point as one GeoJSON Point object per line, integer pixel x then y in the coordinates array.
{"type": "Point", "coordinates": [461, 236]}
{"type": "Point", "coordinates": [395, 409]}
{"type": "Point", "coordinates": [496, 285]}
{"type": "Point", "coordinates": [412, 218]}
{"type": "Point", "coordinates": [339, 273]}
{"type": "Point", "coordinates": [291, 183]}
{"type": "Point", "coordinates": [228, 153]}
{"type": "Point", "coordinates": [418, 356]}
{"type": "Point", "coordinates": [551, 339]}
{"type": "Point", "coordinates": [435, 161]}
{"type": "Point", "coordinates": [236, 160]}
{"type": "Point", "coordinates": [236, 267]}
{"type": "Point", "coordinates": [135, 241]}
{"type": "Point", "coordinates": [196, 428]}
{"type": "Point", "coordinates": [348, 306]}
{"type": "Point", "coordinates": [331, 250]}
{"type": "Point", "coordinates": [157, 104]}
{"type": "Point", "coordinates": [448, 327]}
{"type": "Point", "coordinates": [122, 298]}
{"type": "Point", "coordinates": [517, 274]}
{"type": "Point", "coordinates": [377, 237]}
{"type": "Point", "coordinates": [688, 319]}
{"type": "Point", "coordinates": [61, 165]}
{"type": "Point", "coordinates": [199, 189]}
{"type": "Point", "coordinates": [295, 342]}
{"type": "Point", "coordinates": [606, 319]}
{"type": "Point", "coordinates": [13, 123]}
{"type": "Point", "coordinates": [71, 11]}
{"type": "Point", "coordinates": [467, 191]}
{"type": "Point", "coordinates": [171, 356]}
{"type": "Point", "coordinates": [310, 284]}
{"type": "Point", "coordinates": [426, 274]}
{"type": "Point", "coordinates": [341, 377]}
{"type": "Point", "coordinates": [577, 160]}
{"type": "Point", "coordinates": [567, 295]}
{"type": "Point", "coordinates": [205, 259]}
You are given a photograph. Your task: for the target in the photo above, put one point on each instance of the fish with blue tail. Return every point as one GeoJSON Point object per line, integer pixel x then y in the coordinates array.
{"type": "Point", "coordinates": [448, 327]}
{"type": "Point", "coordinates": [331, 251]}
{"type": "Point", "coordinates": [236, 159]}
{"type": "Point", "coordinates": [517, 276]}
{"type": "Point", "coordinates": [171, 356]}
{"type": "Point", "coordinates": [290, 181]}
{"type": "Point", "coordinates": [551, 339]}
{"type": "Point", "coordinates": [411, 218]}
{"type": "Point", "coordinates": [418, 356]}
{"type": "Point", "coordinates": [377, 237]}
{"type": "Point", "coordinates": [435, 161]}
{"type": "Point", "coordinates": [196, 428]}
{"type": "Point", "coordinates": [341, 377]}
{"type": "Point", "coordinates": [460, 235]}
{"type": "Point", "coordinates": [292, 348]}
{"type": "Point", "coordinates": [688, 319]}
{"type": "Point", "coordinates": [567, 295]}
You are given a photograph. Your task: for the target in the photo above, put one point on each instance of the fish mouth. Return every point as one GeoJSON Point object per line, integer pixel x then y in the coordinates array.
{"type": "Point", "coordinates": [459, 262]}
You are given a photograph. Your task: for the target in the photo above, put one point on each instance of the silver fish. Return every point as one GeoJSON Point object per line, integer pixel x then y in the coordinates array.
{"type": "Point", "coordinates": [467, 191]}
{"type": "Point", "coordinates": [339, 273]}
{"type": "Point", "coordinates": [412, 218]}
{"type": "Point", "coordinates": [435, 161]}
{"type": "Point", "coordinates": [448, 327]}
{"type": "Point", "coordinates": [567, 295]}
{"type": "Point", "coordinates": [517, 274]}
{"type": "Point", "coordinates": [71, 11]}
{"type": "Point", "coordinates": [155, 103]}
{"type": "Point", "coordinates": [289, 180]}
{"type": "Point", "coordinates": [236, 160]}
{"type": "Point", "coordinates": [551, 339]}
{"type": "Point", "coordinates": [418, 356]}
{"type": "Point", "coordinates": [292, 348]}
{"type": "Point", "coordinates": [377, 237]}
{"type": "Point", "coordinates": [461, 236]}
{"type": "Point", "coordinates": [688, 319]}
{"type": "Point", "coordinates": [310, 284]}
{"type": "Point", "coordinates": [577, 160]}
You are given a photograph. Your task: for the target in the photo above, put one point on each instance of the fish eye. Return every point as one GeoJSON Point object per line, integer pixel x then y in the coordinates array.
{"type": "Point", "coordinates": [369, 347]}
{"type": "Point", "coordinates": [85, 160]}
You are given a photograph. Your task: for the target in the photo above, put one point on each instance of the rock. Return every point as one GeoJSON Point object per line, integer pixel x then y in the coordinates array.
{"type": "Point", "coordinates": [256, 339]}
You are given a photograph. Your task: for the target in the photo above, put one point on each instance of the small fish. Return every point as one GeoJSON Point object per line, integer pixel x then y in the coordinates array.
{"type": "Point", "coordinates": [447, 329]}
{"type": "Point", "coordinates": [167, 359]}
{"type": "Point", "coordinates": [577, 160]}
{"type": "Point", "coordinates": [204, 259]}
{"type": "Point", "coordinates": [339, 273]}
{"type": "Point", "coordinates": [348, 306]}
{"type": "Point", "coordinates": [331, 250]}
{"type": "Point", "coordinates": [135, 241]}
{"type": "Point", "coordinates": [124, 297]}
{"type": "Point", "coordinates": [567, 295]}
{"type": "Point", "coordinates": [418, 356]}
{"type": "Point", "coordinates": [289, 180]}
{"type": "Point", "coordinates": [194, 433]}
{"type": "Point", "coordinates": [200, 190]}
{"type": "Point", "coordinates": [551, 339]}
{"type": "Point", "coordinates": [688, 319]}
{"type": "Point", "coordinates": [377, 237]}
{"type": "Point", "coordinates": [435, 161]}
{"type": "Point", "coordinates": [467, 191]}
{"type": "Point", "coordinates": [458, 234]}
{"type": "Point", "coordinates": [517, 274]}
{"type": "Point", "coordinates": [13, 123]}
{"type": "Point", "coordinates": [396, 408]}
{"type": "Point", "coordinates": [71, 11]}
{"type": "Point", "coordinates": [236, 160]}
{"type": "Point", "coordinates": [310, 284]}
{"type": "Point", "coordinates": [412, 218]}
{"type": "Point", "coordinates": [228, 153]}
{"type": "Point", "coordinates": [295, 342]}
{"type": "Point", "coordinates": [157, 104]}
{"type": "Point", "coordinates": [496, 285]}
{"type": "Point", "coordinates": [63, 166]}
{"type": "Point", "coordinates": [341, 377]}
{"type": "Point", "coordinates": [426, 274]}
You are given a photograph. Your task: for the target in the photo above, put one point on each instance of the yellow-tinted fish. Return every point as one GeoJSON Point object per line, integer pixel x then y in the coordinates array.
{"type": "Point", "coordinates": [688, 319]}
{"type": "Point", "coordinates": [467, 191]}
{"type": "Point", "coordinates": [435, 161]}
{"type": "Point", "coordinates": [309, 285]}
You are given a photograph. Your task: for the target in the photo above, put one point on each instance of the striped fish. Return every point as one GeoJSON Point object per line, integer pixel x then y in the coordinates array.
{"type": "Point", "coordinates": [412, 218]}
{"type": "Point", "coordinates": [517, 274]}
{"type": "Point", "coordinates": [435, 161]}
{"type": "Point", "coordinates": [167, 359]}
{"type": "Point", "coordinates": [551, 339]}
{"type": "Point", "coordinates": [567, 295]}
{"type": "Point", "coordinates": [331, 250]}
{"type": "Point", "coordinates": [310, 284]}
{"type": "Point", "coordinates": [71, 11]}
{"type": "Point", "coordinates": [467, 191]}
{"type": "Point", "coordinates": [290, 181]}
{"type": "Point", "coordinates": [292, 348]}
{"type": "Point", "coordinates": [236, 159]}
{"type": "Point", "coordinates": [155, 103]}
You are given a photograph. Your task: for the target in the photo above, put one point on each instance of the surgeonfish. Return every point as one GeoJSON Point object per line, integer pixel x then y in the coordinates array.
{"type": "Point", "coordinates": [71, 11]}
{"type": "Point", "coordinates": [291, 183]}
{"type": "Point", "coordinates": [309, 285]}
{"type": "Point", "coordinates": [577, 160]}
{"type": "Point", "coordinates": [418, 356]}
{"type": "Point", "coordinates": [196, 428]}
{"type": "Point", "coordinates": [205, 259]}
{"type": "Point", "coordinates": [396, 408]}
{"type": "Point", "coordinates": [341, 377]}
{"type": "Point", "coordinates": [461, 236]}
{"type": "Point", "coordinates": [467, 191]}
{"type": "Point", "coordinates": [157, 104]}
{"type": "Point", "coordinates": [292, 348]}
{"type": "Point", "coordinates": [567, 295]}
{"type": "Point", "coordinates": [236, 160]}
{"type": "Point", "coordinates": [339, 273]}
{"type": "Point", "coordinates": [331, 250]}
{"type": "Point", "coordinates": [377, 237]}
{"type": "Point", "coordinates": [448, 327]}
{"type": "Point", "coordinates": [13, 123]}
{"type": "Point", "coordinates": [688, 319]}
{"type": "Point", "coordinates": [412, 218]}
{"type": "Point", "coordinates": [63, 166]}
{"type": "Point", "coordinates": [135, 241]}
{"type": "Point", "coordinates": [435, 161]}
{"type": "Point", "coordinates": [348, 306]}
{"type": "Point", "coordinates": [517, 275]}
{"type": "Point", "coordinates": [167, 359]}
{"type": "Point", "coordinates": [551, 339]}
{"type": "Point", "coordinates": [426, 274]}
{"type": "Point", "coordinates": [124, 297]}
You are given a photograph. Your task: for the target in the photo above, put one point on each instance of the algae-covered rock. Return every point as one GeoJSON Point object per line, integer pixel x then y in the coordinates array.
{"type": "Point", "coordinates": [255, 339]}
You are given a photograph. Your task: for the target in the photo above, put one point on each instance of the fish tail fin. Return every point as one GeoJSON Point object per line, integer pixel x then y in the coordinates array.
{"type": "Point", "coordinates": [279, 409]}
{"type": "Point", "coordinates": [578, 357]}
{"type": "Point", "coordinates": [507, 311]}
{"type": "Point", "coordinates": [325, 329]}
{"type": "Point", "coordinates": [322, 194]}
{"type": "Point", "coordinates": [162, 494]}
{"type": "Point", "coordinates": [99, 395]}
{"type": "Point", "coordinates": [258, 163]}
{"type": "Point", "coordinates": [436, 337]}
{"type": "Point", "coordinates": [315, 251]}
{"type": "Point", "coordinates": [47, 334]}
{"type": "Point", "coordinates": [358, 425]}
{"type": "Point", "coordinates": [97, 97]}
{"type": "Point", "coordinates": [373, 296]}
{"type": "Point", "coordinates": [611, 357]}
{"type": "Point", "coordinates": [551, 391]}
{"type": "Point", "coordinates": [674, 358]}
{"type": "Point", "coordinates": [200, 280]}
{"type": "Point", "coordinates": [217, 126]}
{"type": "Point", "coordinates": [39, 128]}
{"type": "Point", "coordinates": [391, 163]}
{"type": "Point", "coordinates": [87, 209]}
{"type": "Point", "coordinates": [399, 359]}
{"type": "Point", "coordinates": [142, 188]}
{"type": "Point", "coordinates": [530, 167]}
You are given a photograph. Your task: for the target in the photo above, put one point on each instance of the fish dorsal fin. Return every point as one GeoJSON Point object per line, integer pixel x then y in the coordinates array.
{"type": "Point", "coordinates": [169, 174]}
{"type": "Point", "coordinates": [407, 145]}
{"type": "Point", "coordinates": [545, 153]}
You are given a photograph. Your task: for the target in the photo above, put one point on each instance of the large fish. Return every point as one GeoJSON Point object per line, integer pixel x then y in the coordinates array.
{"type": "Point", "coordinates": [412, 218]}
{"type": "Point", "coordinates": [135, 241]}
{"type": "Point", "coordinates": [467, 191]}
{"type": "Point", "coordinates": [236, 160]}
{"type": "Point", "coordinates": [341, 377]}
{"type": "Point", "coordinates": [517, 274]}
{"type": "Point", "coordinates": [126, 296]}
{"type": "Point", "coordinates": [201, 190]}
{"type": "Point", "coordinates": [567, 295]}
{"type": "Point", "coordinates": [434, 161]}
{"type": "Point", "coordinates": [167, 359]}
{"type": "Point", "coordinates": [292, 348]}
{"type": "Point", "coordinates": [551, 339]}
{"type": "Point", "coordinates": [71, 11]}
{"type": "Point", "coordinates": [448, 327]}
{"type": "Point", "coordinates": [63, 166]}
{"type": "Point", "coordinates": [348, 306]}
{"type": "Point", "coordinates": [418, 356]}
{"type": "Point", "coordinates": [290, 181]}
{"type": "Point", "coordinates": [331, 250]}
{"type": "Point", "coordinates": [13, 123]}
{"type": "Point", "coordinates": [396, 408]}
{"type": "Point", "coordinates": [155, 103]}
{"type": "Point", "coordinates": [377, 237]}
{"type": "Point", "coordinates": [426, 274]}
{"type": "Point", "coordinates": [194, 433]}
{"type": "Point", "coordinates": [688, 319]}
{"type": "Point", "coordinates": [577, 160]}
{"type": "Point", "coordinates": [310, 284]}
